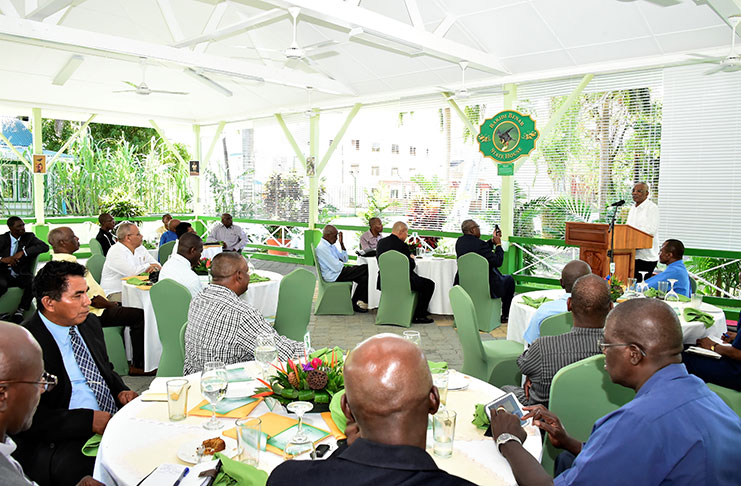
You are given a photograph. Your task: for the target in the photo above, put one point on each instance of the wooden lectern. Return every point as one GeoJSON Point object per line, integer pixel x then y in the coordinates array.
{"type": "Point", "coordinates": [593, 240]}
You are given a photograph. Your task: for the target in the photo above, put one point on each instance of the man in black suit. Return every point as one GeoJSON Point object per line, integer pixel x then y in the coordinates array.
{"type": "Point", "coordinates": [18, 253]}
{"type": "Point", "coordinates": [104, 236]}
{"type": "Point", "coordinates": [424, 286]}
{"type": "Point", "coordinates": [88, 392]}
{"type": "Point", "coordinates": [502, 286]}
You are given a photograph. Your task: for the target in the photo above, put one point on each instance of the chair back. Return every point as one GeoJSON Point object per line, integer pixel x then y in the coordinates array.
{"type": "Point", "coordinates": [557, 324]}
{"type": "Point", "coordinates": [10, 300]}
{"type": "Point", "coordinates": [394, 270]}
{"type": "Point", "coordinates": [95, 247]}
{"type": "Point", "coordinates": [731, 397]}
{"type": "Point", "coordinates": [165, 251]}
{"type": "Point", "coordinates": [182, 337]}
{"type": "Point", "coordinates": [317, 266]}
{"type": "Point", "coordinates": [693, 285]}
{"type": "Point", "coordinates": [170, 301]}
{"type": "Point", "coordinates": [295, 297]}
{"type": "Point", "coordinates": [473, 275]}
{"type": "Point", "coordinates": [95, 265]}
{"type": "Point", "coordinates": [464, 312]}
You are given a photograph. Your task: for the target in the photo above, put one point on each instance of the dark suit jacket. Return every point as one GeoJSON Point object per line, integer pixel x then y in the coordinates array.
{"type": "Point", "coordinates": [495, 257]}
{"type": "Point", "coordinates": [392, 242]}
{"type": "Point", "coordinates": [105, 238]}
{"type": "Point", "coordinates": [53, 420]}
{"type": "Point", "coordinates": [32, 246]}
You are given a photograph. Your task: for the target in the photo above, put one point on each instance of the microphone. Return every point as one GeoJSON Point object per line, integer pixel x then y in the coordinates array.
{"type": "Point", "coordinates": [619, 203]}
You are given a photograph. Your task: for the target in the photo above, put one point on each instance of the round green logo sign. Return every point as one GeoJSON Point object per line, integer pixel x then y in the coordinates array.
{"type": "Point", "coordinates": [507, 136]}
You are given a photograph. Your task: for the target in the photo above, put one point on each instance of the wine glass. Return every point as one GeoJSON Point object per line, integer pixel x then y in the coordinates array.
{"type": "Point", "coordinates": [671, 296]}
{"type": "Point", "coordinates": [300, 442]}
{"type": "Point", "coordinates": [644, 285]}
{"type": "Point", "coordinates": [413, 336]}
{"type": "Point", "coordinates": [213, 388]}
{"type": "Point", "coordinates": [265, 352]}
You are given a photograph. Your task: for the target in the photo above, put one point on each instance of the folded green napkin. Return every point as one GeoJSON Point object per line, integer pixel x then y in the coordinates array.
{"type": "Point", "coordinates": [692, 314]}
{"type": "Point", "coordinates": [437, 366]}
{"type": "Point", "coordinates": [527, 300]}
{"type": "Point", "coordinates": [651, 292]}
{"type": "Point", "coordinates": [255, 278]}
{"type": "Point", "coordinates": [135, 281]}
{"type": "Point", "coordinates": [235, 473]}
{"type": "Point", "coordinates": [480, 418]}
{"type": "Point", "coordinates": [90, 448]}
{"type": "Point", "coordinates": [336, 410]}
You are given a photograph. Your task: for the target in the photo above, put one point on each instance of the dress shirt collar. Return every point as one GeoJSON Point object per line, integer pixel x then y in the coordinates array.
{"type": "Point", "coordinates": [63, 257]}
{"type": "Point", "coordinates": [678, 263]}
{"type": "Point", "coordinates": [13, 239]}
{"type": "Point", "coordinates": [667, 373]}
{"type": "Point", "coordinates": [565, 296]}
{"type": "Point", "coordinates": [7, 447]}
{"type": "Point", "coordinates": [406, 458]}
{"type": "Point", "coordinates": [60, 333]}
{"type": "Point", "coordinates": [180, 260]}
{"type": "Point", "coordinates": [221, 291]}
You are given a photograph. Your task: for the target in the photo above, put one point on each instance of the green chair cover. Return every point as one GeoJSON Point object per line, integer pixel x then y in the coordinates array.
{"type": "Point", "coordinates": [10, 300]}
{"type": "Point", "coordinates": [581, 393]}
{"type": "Point", "coordinates": [693, 285]}
{"type": "Point", "coordinates": [182, 338]}
{"type": "Point", "coordinates": [114, 345]}
{"type": "Point", "coordinates": [557, 324]}
{"type": "Point", "coordinates": [95, 266]}
{"type": "Point", "coordinates": [332, 297]}
{"type": "Point", "coordinates": [170, 301]}
{"type": "Point", "coordinates": [473, 273]}
{"type": "Point", "coordinates": [731, 397]}
{"type": "Point", "coordinates": [295, 296]}
{"type": "Point", "coordinates": [493, 361]}
{"type": "Point", "coordinates": [398, 300]}
{"type": "Point", "coordinates": [95, 247]}
{"type": "Point", "coordinates": [165, 251]}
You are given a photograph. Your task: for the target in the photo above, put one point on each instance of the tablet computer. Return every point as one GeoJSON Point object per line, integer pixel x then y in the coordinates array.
{"type": "Point", "coordinates": [510, 404]}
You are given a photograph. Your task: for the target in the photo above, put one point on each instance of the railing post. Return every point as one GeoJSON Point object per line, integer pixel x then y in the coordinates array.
{"type": "Point", "coordinates": [311, 238]}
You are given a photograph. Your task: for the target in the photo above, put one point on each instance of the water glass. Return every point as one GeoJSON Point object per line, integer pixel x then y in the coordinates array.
{"type": "Point", "coordinates": [177, 399]}
{"type": "Point", "coordinates": [440, 380]}
{"type": "Point", "coordinates": [443, 432]}
{"type": "Point", "coordinates": [414, 337]}
{"type": "Point", "coordinates": [663, 288]}
{"type": "Point", "coordinates": [265, 352]}
{"type": "Point", "coordinates": [696, 300]}
{"type": "Point", "coordinates": [632, 285]}
{"type": "Point", "coordinates": [249, 434]}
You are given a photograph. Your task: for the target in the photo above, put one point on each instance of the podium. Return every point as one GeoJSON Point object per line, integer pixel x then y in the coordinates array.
{"type": "Point", "coordinates": [593, 240]}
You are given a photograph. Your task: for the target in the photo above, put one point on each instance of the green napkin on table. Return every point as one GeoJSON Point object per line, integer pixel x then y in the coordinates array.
{"type": "Point", "coordinates": [90, 448]}
{"type": "Point", "coordinates": [437, 366]}
{"type": "Point", "coordinates": [235, 473]}
{"type": "Point", "coordinates": [480, 418]}
{"type": "Point", "coordinates": [135, 281]}
{"type": "Point", "coordinates": [527, 300]}
{"type": "Point", "coordinates": [692, 314]}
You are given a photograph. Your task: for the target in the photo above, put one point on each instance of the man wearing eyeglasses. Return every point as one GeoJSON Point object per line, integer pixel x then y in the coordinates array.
{"type": "Point", "coordinates": [89, 392]}
{"type": "Point", "coordinates": [675, 430]}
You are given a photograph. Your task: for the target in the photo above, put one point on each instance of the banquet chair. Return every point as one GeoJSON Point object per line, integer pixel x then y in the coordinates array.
{"type": "Point", "coordinates": [398, 300]}
{"type": "Point", "coordinates": [170, 301]}
{"type": "Point", "coordinates": [492, 361]}
{"type": "Point", "coordinates": [332, 297]}
{"type": "Point", "coordinates": [731, 397]}
{"type": "Point", "coordinates": [10, 300]}
{"type": "Point", "coordinates": [473, 273]}
{"type": "Point", "coordinates": [165, 251]}
{"type": "Point", "coordinates": [295, 296]}
{"type": "Point", "coordinates": [95, 265]}
{"type": "Point", "coordinates": [182, 337]}
{"type": "Point", "coordinates": [95, 248]}
{"type": "Point", "coordinates": [581, 393]}
{"type": "Point", "coordinates": [114, 345]}
{"type": "Point", "coordinates": [557, 324]}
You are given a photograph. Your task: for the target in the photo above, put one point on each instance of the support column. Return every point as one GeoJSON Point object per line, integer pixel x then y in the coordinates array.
{"type": "Point", "coordinates": [195, 181]}
{"type": "Point", "coordinates": [38, 179]}
{"type": "Point", "coordinates": [507, 191]}
{"type": "Point", "coordinates": [311, 168]}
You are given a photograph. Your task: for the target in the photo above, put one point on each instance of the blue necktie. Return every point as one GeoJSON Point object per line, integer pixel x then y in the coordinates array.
{"type": "Point", "coordinates": [13, 249]}
{"type": "Point", "coordinates": [91, 373]}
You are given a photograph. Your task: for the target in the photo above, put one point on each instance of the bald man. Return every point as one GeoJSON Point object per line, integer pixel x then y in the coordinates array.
{"type": "Point", "coordinates": [570, 273]}
{"type": "Point", "coordinates": [645, 216]}
{"type": "Point", "coordinates": [675, 430]}
{"type": "Point", "coordinates": [332, 266]}
{"type": "Point", "coordinates": [170, 234]}
{"type": "Point", "coordinates": [179, 266]}
{"type": "Point", "coordinates": [389, 393]}
{"type": "Point", "coordinates": [232, 236]}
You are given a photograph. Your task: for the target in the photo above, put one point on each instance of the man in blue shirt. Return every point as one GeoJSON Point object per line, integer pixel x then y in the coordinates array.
{"type": "Point", "coordinates": [675, 430]}
{"type": "Point", "coordinates": [570, 274]}
{"type": "Point", "coordinates": [671, 254]}
{"type": "Point", "coordinates": [333, 269]}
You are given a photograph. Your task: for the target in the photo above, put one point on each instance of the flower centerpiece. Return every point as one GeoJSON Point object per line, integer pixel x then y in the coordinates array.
{"type": "Point", "coordinates": [315, 381]}
{"type": "Point", "coordinates": [203, 266]}
{"type": "Point", "coordinates": [616, 287]}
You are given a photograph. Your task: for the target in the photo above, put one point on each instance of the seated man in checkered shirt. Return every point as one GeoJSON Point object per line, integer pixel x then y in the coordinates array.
{"type": "Point", "coordinates": [223, 327]}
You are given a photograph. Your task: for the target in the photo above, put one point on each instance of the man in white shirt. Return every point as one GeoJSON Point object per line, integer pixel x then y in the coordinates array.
{"type": "Point", "coordinates": [645, 216]}
{"type": "Point", "coordinates": [229, 233]}
{"type": "Point", "coordinates": [179, 266]}
{"type": "Point", "coordinates": [126, 258]}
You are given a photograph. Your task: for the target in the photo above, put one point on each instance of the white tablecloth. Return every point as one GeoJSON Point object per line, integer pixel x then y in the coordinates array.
{"type": "Point", "coordinates": [140, 437]}
{"type": "Point", "coordinates": [439, 270]}
{"type": "Point", "coordinates": [520, 315]}
{"type": "Point", "coordinates": [263, 296]}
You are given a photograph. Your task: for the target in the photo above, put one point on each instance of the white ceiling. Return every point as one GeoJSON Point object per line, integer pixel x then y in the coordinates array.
{"type": "Point", "coordinates": [397, 52]}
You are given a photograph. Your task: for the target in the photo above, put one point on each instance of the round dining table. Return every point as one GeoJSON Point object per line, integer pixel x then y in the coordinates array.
{"type": "Point", "coordinates": [140, 437]}
{"type": "Point", "coordinates": [263, 296]}
{"type": "Point", "coordinates": [521, 313]}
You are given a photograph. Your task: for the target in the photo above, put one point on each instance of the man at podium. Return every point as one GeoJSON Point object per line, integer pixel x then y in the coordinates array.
{"type": "Point", "coordinates": [645, 217]}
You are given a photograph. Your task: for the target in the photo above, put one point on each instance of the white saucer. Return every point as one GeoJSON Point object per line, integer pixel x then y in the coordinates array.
{"type": "Point", "coordinates": [188, 451]}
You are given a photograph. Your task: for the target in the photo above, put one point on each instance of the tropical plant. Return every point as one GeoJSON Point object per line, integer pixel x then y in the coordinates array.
{"type": "Point", "coordinates": [719, 271]}
{"type": "Point", "coordinates": [430, 208]}
{"type": "Point", "coordinates": [284, 197]}
{"type": "Point", "coordinates": [378, 202]}
{"type": "Point", "coordinates": [119, 204]}
{"type": "Point", "coordinates": [556, 212]}
{"type": "Point", "coordinates": [222, 193]}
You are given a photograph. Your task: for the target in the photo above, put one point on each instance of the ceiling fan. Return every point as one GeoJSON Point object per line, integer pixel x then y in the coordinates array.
{"type": "Point", "coordinates": [729, 63]}
{"type": "Point", "coordinates": [143, 89]}
{"type": "Point", "coordinates": [463, 93]}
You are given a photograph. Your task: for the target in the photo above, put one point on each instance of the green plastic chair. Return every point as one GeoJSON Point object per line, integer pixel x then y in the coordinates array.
{"type": "Point", "coordinates": [557, 324]}
{"type": "Point", "coordinates": [165, 251]}
{"type": "Point", "coordinates": [95, 247]}
{"type": "Point", "coordinates": [114, 345]}
{"type": "Point", "coordinates": [295, 296]}
{"type": "Point", "coordinates": [10, 300]}
{"type": "Point", "coordinates": [182, 338]}
{"type": "Point", "coordinates": [398, 300]}
{"type": "Point", "coordinates": [95, 266]}
{"type": "Point", "coordinates": [170, 301]}
{"type": "Point", "coordinates": [581, 393]}
{"type": "Point", "coordinates": [333, 298]}
{"type": "Point", "coordinates": [693, 285]}
{"type": "Point", "coordinates": [493, 361]}
{"type": "Point", "coordinates": [731, 397]}
{"type": "Point", "coordinates": [473, 274]}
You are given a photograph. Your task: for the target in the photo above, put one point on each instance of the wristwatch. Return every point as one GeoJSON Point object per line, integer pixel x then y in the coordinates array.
{"type": "Point", "coordinates": [506, 438]}
{"type": "Point", "coordinates": [712, 348]}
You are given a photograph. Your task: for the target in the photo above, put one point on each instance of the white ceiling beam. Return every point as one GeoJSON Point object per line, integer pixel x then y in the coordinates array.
{"type": "Point", "coordinates": [9, 9]}
{"type": "Point", "coordinates": [51, 8]}
{"type": "Point", "coordinates": [57, 18]}
{"type": "Point", "coordinates": [172, 22]}
{"type": "Point", "coordinates": [67, 70]}
{"type": "Point", "coordinates": [217, 14]}
{"type": "Point", "coordinates": [349, 16]}
{"type": "Point", "coordinates": [445, 25]}
{"type": "Point", "coordinates": [233, 29]}
{"type": "Point", "coordinates": [414, 15]}
{"type": "Point", "coordinates": [31, 5]}
{"type": "Point", "coordinates": [74, 40]}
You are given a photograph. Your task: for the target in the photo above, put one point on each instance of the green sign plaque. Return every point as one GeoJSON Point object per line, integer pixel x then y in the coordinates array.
{"type": "Point", "coordinates": [507, 136]}
{"type": "Point", "coordinates": [505, 169]}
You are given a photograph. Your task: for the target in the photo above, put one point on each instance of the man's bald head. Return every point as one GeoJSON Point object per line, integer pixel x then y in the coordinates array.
{"type": "Point", "coordinates": [389, 391]}
{"type": "Point", "coordinates": [328, 230]}
{"type": "Point", "coordinates": [398, 227]}
{"type": "Point", "coordinates": [190, 247]}
{"type": "Point", "coordinates": [226, 264]}
{"type": "Point", "coordinates": [571, 273]}
{"type": "Point", "coordinates": [590, 301]}
{"type": "Point", "coordinates": [63, 240]}
{"type": "Point", "coordinates": [650, 323]}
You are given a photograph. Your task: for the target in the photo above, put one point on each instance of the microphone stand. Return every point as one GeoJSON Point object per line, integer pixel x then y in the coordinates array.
{"type": "Point", "coordinates": [611, 253]}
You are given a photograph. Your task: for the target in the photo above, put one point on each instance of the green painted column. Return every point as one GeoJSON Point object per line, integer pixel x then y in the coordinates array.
{"type": "Point", "coordinates": [507, 192]}
{"type": "Point", "coordinates": [311, 168]}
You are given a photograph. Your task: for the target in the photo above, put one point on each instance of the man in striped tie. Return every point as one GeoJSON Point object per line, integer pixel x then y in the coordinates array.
{"type": "Point", "coordinates": [89, 391]}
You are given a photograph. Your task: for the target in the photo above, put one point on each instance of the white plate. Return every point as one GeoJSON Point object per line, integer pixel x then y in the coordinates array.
{"type": "Point", "coordinates": [188, 451]}
{"type": "Point", "coordinates": [457, 381]}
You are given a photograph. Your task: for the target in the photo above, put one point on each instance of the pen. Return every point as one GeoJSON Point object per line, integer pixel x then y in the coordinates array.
{"type": "Point", "coordinates": [185, 473]}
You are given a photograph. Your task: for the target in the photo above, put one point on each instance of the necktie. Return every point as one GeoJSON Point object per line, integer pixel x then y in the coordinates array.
{"type": "Point", "coordinates": [91, 373]}
{"type": "Point", "coordinates": [13, 250]}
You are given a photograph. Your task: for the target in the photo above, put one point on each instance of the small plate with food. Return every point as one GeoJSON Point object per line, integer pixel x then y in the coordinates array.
{"type": "Point", "coordinates": [188, 452]}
